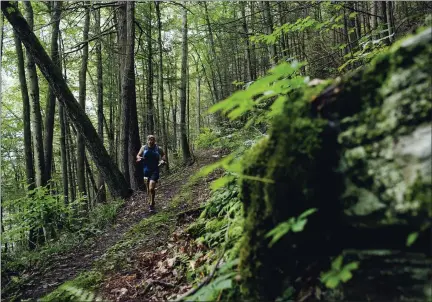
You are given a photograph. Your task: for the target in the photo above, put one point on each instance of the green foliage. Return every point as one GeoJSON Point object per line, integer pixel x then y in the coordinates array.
{"type": "Point", "coordinates": [337, 273]}
{"type": "Point", "coordinates": [412, 237]}
{"type": "Point", "coordinates": [212, 291]}
{"type": "Point", "coordinates": [78, 289]}
{"type": "Point", "coordinates": [220, 227]}
{"type": "Point", "coordinates": [293, 224]}
{"type": "Point", "coordinates": [38, 209]}
{"type": "Point", "coordinates": [368, 49]}
{"type": "Point", "coordinates": [279, 81]}
{"type": "Point", "coordinates": [207, 138]}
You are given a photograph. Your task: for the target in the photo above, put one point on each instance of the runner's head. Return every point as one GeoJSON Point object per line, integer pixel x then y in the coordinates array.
{"type": "Point", "coordinates": [151, 140]}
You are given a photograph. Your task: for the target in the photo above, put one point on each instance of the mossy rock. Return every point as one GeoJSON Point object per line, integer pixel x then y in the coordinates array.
{"type": "Point", "coordinates": [357, 131]}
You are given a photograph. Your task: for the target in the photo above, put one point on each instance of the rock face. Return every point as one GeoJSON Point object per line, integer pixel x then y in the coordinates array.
{"type": "Point", "coordinates": [361, 153]}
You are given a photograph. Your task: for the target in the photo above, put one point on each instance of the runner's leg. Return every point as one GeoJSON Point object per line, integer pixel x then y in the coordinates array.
{"type": "Point", "coordinates": [152, 187]}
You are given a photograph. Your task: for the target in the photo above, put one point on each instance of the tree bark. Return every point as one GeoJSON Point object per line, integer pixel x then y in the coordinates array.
{"type": "Point", "coordinates": [36, 116]}
{"type": "Point", "coordinates": [26, 115]}
{"type": "Point", "coordinates": [124, 97]}
{"type": "Point", "coordinates": [198, 99]}
{"type": "Point", "coordinates": [269, 28]}
{"type": "Point", "coordinates": [161, 87]}
{"type": "Point", "coordinates": [389, 21]}
{"type": "Point", "coordinates": [115, 181]}
{"type": "Point", "coordinates": [213, 58]}
{"type": "Point", "coordinates": [63, 136]}
{"type": "Point", "coordinates": [150, 106]}
{"type": "Point", "coordinates": [134, 143]}
{"type": "Point", "coordinates": [82, 102]}
{"type": "Point", "coordinates": [50, 103]}
{"type": "Point", "coordinates": [100, 116]}
{"type": "Point", "coordinates": [183, 135]}
{"type": "Point", "coordinates": [250, 75]}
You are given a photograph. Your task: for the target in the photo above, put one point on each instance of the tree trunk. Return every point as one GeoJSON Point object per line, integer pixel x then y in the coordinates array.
{"type": "Point", "coordinates": [174, 114]}
{"type": "Point", "coordinates": [36, 116]}
{"type": "Point", "coordinates": [389, 21]}
{"type": "Point", "coordinates": [374, 18]}
{"type": "Point", "coordinates": [213, 58]}
{"type": "Point", "coordinates": [115, 181]}
{"type": "Point", "coordinates": [253, 50]}
{"type": "Point", "coordinates": [183, 135]}
{"type": "Point", "coordinates": [50, 103]}
{"type": "Point", "coordinates": [82, 102]}
{"type": "Point", "coordinates": [269, 29]}
{"type": "Point", "coordinates": [198, 100]}
{"type": "Point", "coordinates": [161, 87]}
{"type": "Point", "coordinates": [150, 107]}
{"type": "Point", "coordinates": [63, 136]}
{"type": "Point", "coordinates": [250, 76]}
{"type": "Point", "coordinates": [70, 159]}
{"type": "Point", "coordinates": [124, 96]}
{"type": "Point", "coordinates": [26, 115]}
{"type": "Point", "coordinates": [100, 116]}
{"type": "Point", "coordinates": [134, 143]}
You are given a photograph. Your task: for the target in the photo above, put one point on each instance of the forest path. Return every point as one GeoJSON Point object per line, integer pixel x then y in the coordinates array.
{"type": "Point", "coordinates": [66, 266]}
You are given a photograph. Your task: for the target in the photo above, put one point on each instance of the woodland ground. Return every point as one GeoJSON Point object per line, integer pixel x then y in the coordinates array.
{"type": "Point", "coordinates": [134, 258]}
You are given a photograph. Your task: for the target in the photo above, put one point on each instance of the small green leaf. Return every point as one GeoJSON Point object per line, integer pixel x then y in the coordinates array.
{"type": "Point", "coordinates": [337, 263]}
{"type": "Point", "coordinates": [352, 266]}
{"type": "Point", "coordinates": [345, 275]}
{"type": "Point", "coordinates": [411, 238]}
{"type": "Point", "coordinates": [308, 212]}
{"type": "Point", "coordinates": [298, 226]}
{"type": "Point", "coordinates": [332, 282]}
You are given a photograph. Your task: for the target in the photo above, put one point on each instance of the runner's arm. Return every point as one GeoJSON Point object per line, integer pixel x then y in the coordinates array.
{"type": "Point", "coordinates": [163, 157]}
{"type": "Point", "coordinates": [138, 157]}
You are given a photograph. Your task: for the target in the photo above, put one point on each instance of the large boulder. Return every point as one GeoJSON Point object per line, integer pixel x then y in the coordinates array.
{"type": "Point", "coordinates": [360, 153]}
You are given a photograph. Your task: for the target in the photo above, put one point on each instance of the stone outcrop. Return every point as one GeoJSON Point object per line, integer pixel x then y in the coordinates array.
{"type": "Point", "coordinates": [360, 153]}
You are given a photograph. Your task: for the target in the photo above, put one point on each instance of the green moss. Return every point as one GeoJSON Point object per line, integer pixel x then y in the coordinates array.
{"type": "Point", "coordinates": [374, 104]}
{"type": "Point", "coordinates": [419, 196]}
{"type": "Point", "coordinates": [196, 229]}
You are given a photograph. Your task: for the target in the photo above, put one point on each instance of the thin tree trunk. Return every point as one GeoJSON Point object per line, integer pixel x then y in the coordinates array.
{"type": "Point", "coordinates": [389, 21]}
{"type": "Point", "coordinates": [100, 182]}
{"type": "Point", "coordinates": [184, 140]}
{"type": "Point", "coordinates": [150, 107]}
{"type": "Point", "coordinates": [71, 160]}
{"type": "Point", "coordinates": [134, 143]}
{"type": "Point", "coordinates": [26, 115]}
{"type": "Point", "coordinates": [36, 116]}
{"type": "Point", "coordinates": [253, 50]}
{"type": "Point", "coordinates": [63, 126]}
{"type": "Point", "coordinates": [50, 103]}
{"type": "Point", "coordinates": [250, 76]}
{"type": "Point", "coordinates": [269, 27]}
{"type": "Point", "coordinates": [213, 58]}
{"type": "Point", "coordinates": [124, 96]}
{"type": "Point", "coordinates": [374, 19]}
{"type": "Point", "coordinates": [52, 73]}
{"type": "Point", "coordinates": [198, 99]}
{"type": "Point", "coordinates": [174, 114]}
{"type": "Point", "coordinates": [161, 87]}
{"type": "Point", "coordinates": [82, 101]}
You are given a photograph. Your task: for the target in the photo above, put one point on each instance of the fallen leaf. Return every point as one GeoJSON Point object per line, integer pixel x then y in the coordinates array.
{"type": "Point", "coordinates": [171, 261]}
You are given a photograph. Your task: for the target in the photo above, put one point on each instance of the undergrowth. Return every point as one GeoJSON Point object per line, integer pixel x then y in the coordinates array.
{"type": "Point", "coordinates": [14, 264]}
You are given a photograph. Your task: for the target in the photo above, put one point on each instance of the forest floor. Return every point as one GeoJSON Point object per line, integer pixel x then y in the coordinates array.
{"type": "Point", "coordinates": [134, 258]}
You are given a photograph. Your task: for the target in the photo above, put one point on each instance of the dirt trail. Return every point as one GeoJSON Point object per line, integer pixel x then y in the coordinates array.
{"type": "Point", "coordinates": [66, 266]}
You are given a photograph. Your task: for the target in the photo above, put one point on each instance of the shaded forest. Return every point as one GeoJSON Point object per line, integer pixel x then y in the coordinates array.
{"type": "Point", "coordinates": [297, 143]}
